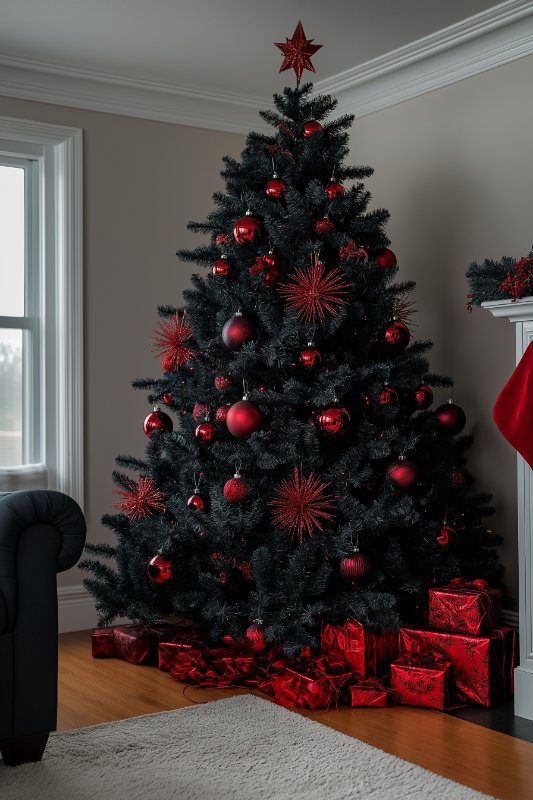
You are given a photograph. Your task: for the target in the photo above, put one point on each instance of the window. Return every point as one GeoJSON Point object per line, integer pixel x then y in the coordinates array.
{"type": "Point", "coordinates": [41, 410]}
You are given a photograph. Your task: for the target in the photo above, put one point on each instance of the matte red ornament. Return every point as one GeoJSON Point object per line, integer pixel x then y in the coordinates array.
{"type": "Point", "coordinates": [324, 226]}
{"type": "Point", "coordinates": [333, 420]}
{"type": "Point", "coordinates": [167, 398]}
{"type": "Point", "coordinates": [457, 479]}
{"type": "Point", "coordinates": [221, 414]}
{"type": "Point", "coordinates": [354, 567]}
{"type": "Point", "coordinates": [302, 504]}
{"type": "Point", "coordinates": [313, 291]}
{"type": "Point", "coordinates": [246, 229]}
{"type": "Point", "coordinates": [196, 502]}
{"type": "Point", "coordinates": [385, 259]}
{"type": "Point", "coordinates": [403, 474]}
{"type": "Point", "coordinates": [397, 335]}
{"type": "Point", "coordinates": [222, 238]}
{"type": "Point", "coordinates": [423, 397]}
{"type": "Point", "coordinates": [312, 127]}
{"type": "Point", "coordinates": [451, 417]}
{"type": "Point", "coordinates": [157, 421]}
{"type": "Point", "coordinates": [335, 190]}
{"type": "Point", "coordinates": [243, 418]}
{"type": "Point", "coordinates": [142, 499]}
{"type": "Point", "coordinates": [238, 330]}
{"type": "Point", "coordinates": [388, 397]}
{"type": "Point", "coordinates": [159, 569]}
{"type": "Point", "coordinates": [223, 382]}
{"type": "Point", "coordinates": [170, 342]}
{"type": "Point", "coordinates": [275, 188]}
{"type": "Point", "coordinates": [447, 537]}
{"type": "Point", "coordinates": [310, 357]}
{"type": "Point", "coordinates": [221, 267]}
{"type": "Point", "coordinates": [199, 410]}
{"type": "Point", "coordinates": [236, 489]}
{"type": "Point", "coordinates": [254, 637]}
{"type": "Point", "coordinates": [297, 52]}
{"type": "Point", "coordinates": [206, 432]}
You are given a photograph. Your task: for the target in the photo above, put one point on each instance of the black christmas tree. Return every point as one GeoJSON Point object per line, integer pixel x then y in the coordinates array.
{"type": "Point", "coordinates": [309, 480]}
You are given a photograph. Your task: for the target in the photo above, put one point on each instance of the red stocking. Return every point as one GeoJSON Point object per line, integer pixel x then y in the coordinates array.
{"type": "Point", "coordinates": [513, 410]}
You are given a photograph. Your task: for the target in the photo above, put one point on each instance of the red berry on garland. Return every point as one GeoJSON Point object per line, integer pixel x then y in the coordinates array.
{"type": "Point", "coordinates": [423, 397]}
{"type": "Point", "coordinates": [385, 259]}
{"type": "Point", "coordinates": [206, 432]}
{"type": "Point", "coordinates": [238, 330]}
{"type": "Point", "coordinates": [246, 229]}
{"type": "Point", "coordinates": [388, 397]}
{"type": "Point", "coordinates": [221, 267]}
{"type": "Point", "coordinates": [159, 569]}
{"type": "Point", "coordinates": [324, 226]}
{"type": "Point", "coordinates": [451, 417]}
{"type": "Point", "coordinates": [196, 502]}
{"type": "Point", "coordinates": [310, 357]}
{"type": "Point", "coordinates": [222, 238]}
{"type": "Point", "coordinates": [334, 191]}
{"type": "Point", "coordinates": [354, 567]}
{"type": "Point", "coordinates": [275, 188]}
{"type": "Point", "coordinates": [404, 474]}
{"type": "Point", "coordinates": [254, 637]}
{"type": "Point", "coordinates": [236, 489]}
{"type": "Point", "coordinates": [397, 335]}
{"type": "Point", "coordinates": [223, 382]}
{"type": "Point", "coordinates": [458, 479]}
{"type": "Point", "coordinates": [333, 420]}
{"type": "Point", "coordinates": [312, 127]}
{"type": "Point", "coordinates": [167, 398]}
{"type": "Point", "coordinates": [199, 410]}
{"type": "Point", "coordinates": [221, 414]}
{"type": "Point", "coordinates": [447, 537]}
{"type": "Point", "coordinates": [157, 421]}
{"type": "Point", "coordinates": [243, 418]}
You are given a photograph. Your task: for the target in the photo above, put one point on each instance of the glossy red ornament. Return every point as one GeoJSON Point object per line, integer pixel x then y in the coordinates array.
{"type": "Point", "coordinates": [236, 489]}
{"type": "Point", "coordinates": [311, 127]}
{"type": "Point", "coordinates": [333, 420]}
{"type": "Point", "coordinates": [243, 418]}
{"type": "Point", "coordinates": [447, 537]}
{"type": "Point", "coordinates": [238, 330]}
{"type": "Point", "coordinates": [254, 637]}
{"type": "Point", "coordinates": [196, 502]}
{"type": "Point", "coordinates": [222, 413]}
{"type": "Point", "coordinates": [275, 188]}
{"type": "Point", "coordinates": [324, 226]}
{"type": "Point", "coordinates": [403, 474]}
{"type": "Point", "coordinates": [385, 258]}
{"type": "Point", "coordinates": [423, 397]}
{"type": "Point", "coordinates": [221, 267]}
{"type": "Point", "coordinates": [388, 397]}
{"type": "Point", "coordinates": [310, 357]}
{"type": "Point", "coordinates": [457, 479]}
{"type": "Point", "coordinates": [397, 335]}
{"type": "Point", "coordinates": [223, 382]}
{"type": "Point", "coordinates": [246, 229]}
{"type": "Point", "coordinates": [354, 567]}
{"type": "Point", "coordinates": [206, 432]}
{"type": "Point", "coordinates": [167, 398]}
{"type": "Point", "coordinates": [335, 190]}
{"type": "Point", "coordinates": [159, 569]}
{"type": "Point", "coordinates": [451, 417]}
{"type": "Point", "coordinates": [199, 410]}
{"type": "Point", "coordinates": [222, 238]}
{"type": "Point", "coordinates": [157, 421]}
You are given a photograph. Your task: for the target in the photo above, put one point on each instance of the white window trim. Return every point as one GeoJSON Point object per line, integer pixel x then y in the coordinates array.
{"type": "Point", "coordinates": [61, 232]}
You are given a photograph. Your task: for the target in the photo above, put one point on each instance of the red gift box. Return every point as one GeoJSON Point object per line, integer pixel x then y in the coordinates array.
{"type": "Point", "coordinates": [354, 647]}
{"type": "Point", "coordinates": [215, 666]}
{"type": "Point", "coordinates": [423, 680]}
{"type": "Point", "coordinates": [369, 694]}
{"type": "Point", "coordinates": [102, 643]}
{"type": "Point", "coordinates": [314, 688]}
{"type": "Point", "coordinates": [138, 643]}
{"type": "Point", "coordinates": [168, 651]}
{"type": "Point", "coordinates": [465, 607]}
{"type": "Point", "coordinates": [483, 666]}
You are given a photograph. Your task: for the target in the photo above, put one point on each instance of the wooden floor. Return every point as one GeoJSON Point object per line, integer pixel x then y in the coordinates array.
{"type": "Point", "coordinates": [92, 691]}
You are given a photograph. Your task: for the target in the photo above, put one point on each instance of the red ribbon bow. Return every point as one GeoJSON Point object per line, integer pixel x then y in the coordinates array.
{"type": "Point", "coordinates": [478, 585]}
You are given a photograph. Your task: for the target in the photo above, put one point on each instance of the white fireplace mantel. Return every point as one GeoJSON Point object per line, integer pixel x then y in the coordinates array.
{"type": "Point", "coordinates": [521, 314]}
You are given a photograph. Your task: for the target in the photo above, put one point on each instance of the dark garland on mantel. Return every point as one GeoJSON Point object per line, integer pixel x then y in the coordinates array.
{"type": "Point", "coordinates": [507, 279]}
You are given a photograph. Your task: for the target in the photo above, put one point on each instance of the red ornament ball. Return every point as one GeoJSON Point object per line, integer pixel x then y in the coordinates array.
{"type": "Point", "coordinates": [159, 569]}
{"type": "Point", "coordinates": [223, 382]}
{"type": "Point", "coordinates": [222, 413]}
{"type": "Point", "coordinates": [221, 267]}
{"type": "Point", "coordinates": [238, 330]}
{"type": "Point", "coordinates": [423, 397]}
{"type": "Point", "coordinates": [385, 259]}
{"type": "Point", "coordinates": [447, 537]}
{"type": "Point", "coordinates": [457, 479]}
{"type": "Point", "coordinates": [157, 421]}
{"type": "Point", "coordinates": [451, 417]}
{"type": "Point", "coordinates": [354, 567]}
{"type": "Point", "coordinates": [243, 418]}
{"type": "Point", "coordinates": [254, 637]}
{"type": "Point", "coordinates": [275, 188]}
{"type": "Point", "coordinates": [167, 398]}
{"type": "Point", "coordinates": [246, 229]}
{"type": "Point", "coordinates": [196, 502]}
{"type": "Point", "coordinates": [333, 420]}
{"type": "Point", "coordinates": [324, 226]}
{"type": "Point", "coordinates": [397, 335]}
{"type": "Point", "coordinates": [311, 127]}
{"type": "Point", "coordinates": [310, 357]}
{"type": "Point", "coordinates": [334, 191]}
{"type": "Point", "coordinates": [206, 432]}
{"type": "Point", "coordinates": [199, 410]}
{"type": "Point", "coordinates": [388, 397]}
{"type": "Point", "coordinates": [236, 489]}
{"type": "Point", "coordinates": [403, 474]}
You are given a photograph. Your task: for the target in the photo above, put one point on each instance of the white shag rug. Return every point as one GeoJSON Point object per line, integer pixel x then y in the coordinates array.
{"type": "Point", "coordinates": [240, 748]}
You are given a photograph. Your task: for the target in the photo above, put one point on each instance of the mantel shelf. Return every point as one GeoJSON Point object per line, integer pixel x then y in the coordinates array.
{"type": "Point", "coordinates": [519, 311]}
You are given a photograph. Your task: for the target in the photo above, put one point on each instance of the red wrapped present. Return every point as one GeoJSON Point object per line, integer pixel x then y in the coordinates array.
{"type": "Point", "coordinates": [466, 607]}
{"type": "Point", "coordinates": [370, 693]}
{"type": "Point", "coordinates": [138, 643]}
{"type": "Point", "coordinates": [354, 647]}
{"type": "Point", "coordinates": [102, 643]}
{"type": "Point", "coordinates": [213, 666]}
{"type": "Point", "coordinates": [483, 666]}
{"type": "Point", "coordinates": [422, 680]}
{"type": "Point", "coordinates": [314, 688]}
{"type": "Point", "coordinates": [168, 651]}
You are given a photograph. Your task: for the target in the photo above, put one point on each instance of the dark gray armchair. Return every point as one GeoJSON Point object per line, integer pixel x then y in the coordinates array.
{"type": "Point", "coordinates": [41, 533]}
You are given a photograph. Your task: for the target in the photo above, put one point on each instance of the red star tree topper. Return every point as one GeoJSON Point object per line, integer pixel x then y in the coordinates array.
{"type": "Point", "coordinates": [302, 504]}
{"type": "Point", "coordinates": [298, 52]}
{"type": "Point", "coordinates": [143, 499]}
{"type": "Point", "coordinates": [312, 292]}
{"type": "Point", "coordinates": [170, 342]}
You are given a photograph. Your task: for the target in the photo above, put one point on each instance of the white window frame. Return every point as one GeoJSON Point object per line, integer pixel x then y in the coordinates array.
{"type": "Point", "coordinates": [58, 152]}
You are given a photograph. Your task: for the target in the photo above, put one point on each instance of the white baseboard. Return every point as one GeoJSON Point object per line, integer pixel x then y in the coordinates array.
{"type": "Point", "coordinates": [76, 609]}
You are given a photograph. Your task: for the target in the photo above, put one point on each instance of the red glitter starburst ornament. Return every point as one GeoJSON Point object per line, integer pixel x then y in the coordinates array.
{"type": "Point", "coordinates": [170, 342]}
{"type": "Point", "coordinates": [313, 291]}
{"type": "Point", "coordinates": [297, 51]}
{"type": "Point", "coordinates": [143, 499]}
{"type": "Point", "coordinates": [302, 504]}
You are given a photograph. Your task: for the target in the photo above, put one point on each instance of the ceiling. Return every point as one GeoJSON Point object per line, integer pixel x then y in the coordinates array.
{"type": "Point", "coordinates": [224, 45]}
